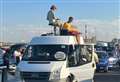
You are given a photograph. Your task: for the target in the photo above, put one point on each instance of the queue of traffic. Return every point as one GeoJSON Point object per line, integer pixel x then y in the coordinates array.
{"type": "Point", "coordinates": [108, 57]}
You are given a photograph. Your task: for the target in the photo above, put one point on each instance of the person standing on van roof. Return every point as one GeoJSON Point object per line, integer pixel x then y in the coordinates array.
{"type": "Point", "coordinates": [52, 19]}
{"type": "Point", "coordinates": [71, 29]}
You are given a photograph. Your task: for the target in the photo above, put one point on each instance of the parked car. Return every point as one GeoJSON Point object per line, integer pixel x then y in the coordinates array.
{"type": "Point", "coordinates": [103, 61]}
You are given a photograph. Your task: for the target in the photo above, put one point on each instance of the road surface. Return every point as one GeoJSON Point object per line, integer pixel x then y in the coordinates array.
{"type": "Point", "coordinates": [111, 76]}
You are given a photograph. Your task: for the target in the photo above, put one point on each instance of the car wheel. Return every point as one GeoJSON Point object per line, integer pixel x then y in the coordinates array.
{"type": "Point", "coordinates": [106, 69]}
{"type": "Point", "coordinates": [118, 64]}
{"type": "Point", "coordinates": [97, 71]}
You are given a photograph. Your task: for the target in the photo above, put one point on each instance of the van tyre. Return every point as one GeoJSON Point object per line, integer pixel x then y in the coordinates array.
{"type": "Point", "coordinates": [69, 79]}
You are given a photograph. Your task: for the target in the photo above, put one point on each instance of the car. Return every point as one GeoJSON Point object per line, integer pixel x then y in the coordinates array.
{"type": "Point", "coordinates": [9, 53]}
{"type": "Point", "coordinates": [103, 61]}
{"type": "Point", "coordinates": [113, 62]}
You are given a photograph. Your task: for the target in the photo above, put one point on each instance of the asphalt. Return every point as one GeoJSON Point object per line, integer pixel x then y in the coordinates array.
{"type": "Point", "coordinates": [110, 76]}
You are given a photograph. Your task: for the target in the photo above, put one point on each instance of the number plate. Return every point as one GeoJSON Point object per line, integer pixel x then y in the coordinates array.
{"type": "Point", "coordinates": [101, 67]}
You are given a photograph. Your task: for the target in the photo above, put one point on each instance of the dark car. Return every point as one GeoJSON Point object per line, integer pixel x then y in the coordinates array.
{"type": "Point", "coordinates": [103, 61]}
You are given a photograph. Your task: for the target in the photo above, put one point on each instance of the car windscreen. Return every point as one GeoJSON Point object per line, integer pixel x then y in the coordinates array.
{"type": "Point", "coordinates": [15, 47]}
{"type": "Point", "coordinates": [101, 55]}
{"type": "Point", "coordinates": [44, 52]}
{"type": "Point", "coordinates": [110, 54]}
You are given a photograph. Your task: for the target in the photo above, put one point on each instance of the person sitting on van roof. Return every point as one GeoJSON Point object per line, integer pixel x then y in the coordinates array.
{"type": "Point", "coordinates": [71, 29]}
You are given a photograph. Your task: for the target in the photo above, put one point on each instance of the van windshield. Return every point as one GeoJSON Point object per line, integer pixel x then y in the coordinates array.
{"type": "Point", "coordinates": [45, 52]}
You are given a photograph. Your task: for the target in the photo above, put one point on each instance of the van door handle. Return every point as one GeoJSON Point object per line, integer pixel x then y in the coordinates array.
{"type": "Point", "coordinates": [93, 65]}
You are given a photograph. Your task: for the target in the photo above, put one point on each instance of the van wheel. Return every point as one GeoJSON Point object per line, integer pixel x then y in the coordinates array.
{"type": "Point", "coordinates": [69, 79]}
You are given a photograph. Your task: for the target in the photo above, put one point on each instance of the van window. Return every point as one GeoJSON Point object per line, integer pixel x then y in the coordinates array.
{"type": "Point", "coordinates": [79, 56]}
{"type": "Point", "coordinates": [86, 53]}
{"type": "Point", "coordinates": [45, 52]}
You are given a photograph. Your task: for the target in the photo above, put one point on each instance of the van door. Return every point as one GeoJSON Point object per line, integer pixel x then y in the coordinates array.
{"type": "Point", "coordinates": [82, 64]}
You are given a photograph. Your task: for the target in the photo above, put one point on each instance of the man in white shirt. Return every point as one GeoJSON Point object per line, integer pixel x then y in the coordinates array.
{"type": "Point", "coordinates": [18, 55]}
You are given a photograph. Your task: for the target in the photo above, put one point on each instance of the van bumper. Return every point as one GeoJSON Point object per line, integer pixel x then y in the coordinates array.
{"type": "Point", "coordinates": [61, 80]}
{"type": "Point", "coordinates": [32, 80]}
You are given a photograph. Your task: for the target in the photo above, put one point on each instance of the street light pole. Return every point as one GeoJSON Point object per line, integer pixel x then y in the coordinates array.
{"type": "Point", "coordinates": [85, 32]}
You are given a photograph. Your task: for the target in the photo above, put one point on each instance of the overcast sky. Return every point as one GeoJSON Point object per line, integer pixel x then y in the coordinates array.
{"type": "Point", "coordinates": [20, 20]}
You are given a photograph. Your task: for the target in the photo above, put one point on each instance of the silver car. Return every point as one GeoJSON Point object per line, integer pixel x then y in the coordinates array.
{"type": "Point", "coordinates": [113, 62]}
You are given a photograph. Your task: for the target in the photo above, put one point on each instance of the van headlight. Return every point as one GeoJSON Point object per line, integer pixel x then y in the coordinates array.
{"type": "Point", "coordinates": [60, 55]}
{"type": "Point", "coordinates": [55, 74]}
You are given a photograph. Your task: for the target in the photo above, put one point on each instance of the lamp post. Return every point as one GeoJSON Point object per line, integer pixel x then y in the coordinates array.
{"type": "Point", "coordinates": [86, 33]}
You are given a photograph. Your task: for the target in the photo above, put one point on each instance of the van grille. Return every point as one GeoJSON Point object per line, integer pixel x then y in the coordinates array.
{"type": "Point", "coordinates": [36, 75]}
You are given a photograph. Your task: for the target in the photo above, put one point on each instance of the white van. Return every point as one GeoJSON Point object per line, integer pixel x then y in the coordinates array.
{"type": "Point", "coordinates": [57, 59]}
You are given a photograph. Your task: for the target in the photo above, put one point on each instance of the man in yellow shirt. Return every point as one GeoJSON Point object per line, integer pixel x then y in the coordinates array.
{"type": "Point", "coordinates": [71, 29]}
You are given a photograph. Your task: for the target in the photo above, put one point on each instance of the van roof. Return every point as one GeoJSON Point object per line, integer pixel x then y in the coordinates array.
{"type": "Point", "coordinates": [45, 40]}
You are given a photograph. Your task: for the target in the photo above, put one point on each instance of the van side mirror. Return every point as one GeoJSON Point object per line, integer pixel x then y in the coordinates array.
{"type": "Point", "coordinates": [84, 59]}
{"type": "Point", "coordinates": [72, 61]}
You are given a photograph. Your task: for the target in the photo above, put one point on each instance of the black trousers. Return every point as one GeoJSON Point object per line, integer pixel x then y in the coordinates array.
{"type": "Point", "coordinates": [17, 60]}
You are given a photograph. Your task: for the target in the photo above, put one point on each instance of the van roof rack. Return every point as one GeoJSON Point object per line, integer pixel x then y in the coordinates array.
{"type": "Point", "coordinates": [47, 34]}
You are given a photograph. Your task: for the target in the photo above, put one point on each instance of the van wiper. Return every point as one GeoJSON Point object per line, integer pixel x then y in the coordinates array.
{"type": "Point", "coordinates": [38, 62]}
